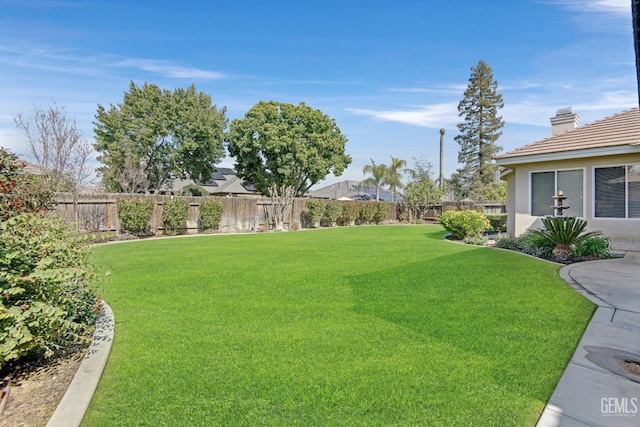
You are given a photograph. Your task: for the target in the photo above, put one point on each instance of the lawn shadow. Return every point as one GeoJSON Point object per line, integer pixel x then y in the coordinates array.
{"type": "Point", "coordinates": [467, 301]}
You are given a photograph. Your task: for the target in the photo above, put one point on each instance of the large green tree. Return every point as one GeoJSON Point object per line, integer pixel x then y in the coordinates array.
{"type": "Point", "coordinates": [479, 132]}
{"type": "Point", "coordinates": [278, 146]}
{"type": "Point", "coordinates": [155, 136]}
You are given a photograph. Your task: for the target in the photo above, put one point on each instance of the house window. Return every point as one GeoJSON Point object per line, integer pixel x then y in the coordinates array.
{"type": "Point", "coordinates": [544, 185]}
{"type": "Point", "coordinates": [617, 192]}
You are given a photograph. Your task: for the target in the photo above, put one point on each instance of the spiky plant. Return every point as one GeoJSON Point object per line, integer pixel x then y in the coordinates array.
{"type": "Point", "coordinates": [563, 232]}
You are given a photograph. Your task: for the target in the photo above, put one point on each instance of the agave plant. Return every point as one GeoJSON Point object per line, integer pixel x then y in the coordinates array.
{"type": "Point", "coordinates": [563, 232]}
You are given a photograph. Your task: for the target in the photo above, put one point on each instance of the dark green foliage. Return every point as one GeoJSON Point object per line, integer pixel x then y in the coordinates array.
{"type": "Point", "coordinates": [156, 136]}
{"type": "Point", "coordinates": [280, 144]}
{"type": "Point", "coordinates": [529, 243]}
{"type": "Point", "coordinates": [479, 132]}
{"type": "Point", "coordinates": [44, 302]}
{"type": "Point", "coordinates": [134, 215]}
{"type": "Point", "coordinates": [349, 213]}
{"type": "Point", "coordinates": [332, 212]}
{"type": "Point", "coordinates": [315, 211]}
{"type": "Point", "coordinates": [382, 212]}
{"type": "Point", "coordinates": [195, 190]}
{"type": "Point", "coordinates": [368, 211]}
{"type": "Point", "coordinates": [497, 222]}
{"type": "Point", "coordinates": [175, 212]}
{"type": "Point", "coordinates": [598, 246]}
{"type": "Point", "coordinates": [564, 232]}
{"type": "Point", "coordinates": [21, 192]}
{"type": "Point", "coordinates": [210, 214]}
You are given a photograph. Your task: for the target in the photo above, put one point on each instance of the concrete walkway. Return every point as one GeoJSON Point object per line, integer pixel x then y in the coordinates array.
{"type": "Point", "coordinates": [595, 389]}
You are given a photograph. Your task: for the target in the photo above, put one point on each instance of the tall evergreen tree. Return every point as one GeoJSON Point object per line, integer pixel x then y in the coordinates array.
{"type": "Point", "coordinates": [479, 132]}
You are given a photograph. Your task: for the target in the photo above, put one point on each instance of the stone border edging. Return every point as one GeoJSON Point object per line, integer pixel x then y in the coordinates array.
{"type": "Point", "coordinates": [75, 401]}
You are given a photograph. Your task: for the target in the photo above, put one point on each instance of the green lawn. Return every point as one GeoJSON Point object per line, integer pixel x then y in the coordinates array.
{"type": "Point", "coordinates": [381, 325]}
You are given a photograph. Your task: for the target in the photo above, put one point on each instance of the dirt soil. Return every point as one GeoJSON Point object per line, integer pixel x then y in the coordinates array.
{"type": "Point", "coordinates": [37, 388]}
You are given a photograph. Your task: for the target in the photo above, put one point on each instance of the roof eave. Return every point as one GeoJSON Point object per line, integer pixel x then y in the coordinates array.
{"type": "Point", "coordinates": [568, 155]}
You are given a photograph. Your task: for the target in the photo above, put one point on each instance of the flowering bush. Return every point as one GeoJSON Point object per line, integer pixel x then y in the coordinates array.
{"type": "Point", "coordinates": [463, 224]}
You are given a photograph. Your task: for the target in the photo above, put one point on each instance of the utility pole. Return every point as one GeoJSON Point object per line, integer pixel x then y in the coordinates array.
{"type": "Point", "coordinates": [442, 132]}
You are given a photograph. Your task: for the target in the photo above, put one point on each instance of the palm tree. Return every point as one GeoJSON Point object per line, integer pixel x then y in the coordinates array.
{"type": "Point", "coordinates": [394, 176]}
{"type": "Point", "coordinates": [377, 179]}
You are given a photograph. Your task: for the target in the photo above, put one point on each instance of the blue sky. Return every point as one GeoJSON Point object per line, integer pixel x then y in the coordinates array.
{"type": "Point", "coordinates": [391, 73]}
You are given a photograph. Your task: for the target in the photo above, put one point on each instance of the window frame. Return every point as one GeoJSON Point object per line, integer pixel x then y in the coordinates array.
{"type": "Point", "coordinates": [555, 191]}
{"type": "Point", "coordinates": [626, 167]}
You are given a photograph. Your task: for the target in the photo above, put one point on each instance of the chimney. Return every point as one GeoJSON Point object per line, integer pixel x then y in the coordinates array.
{"type": "Point", "coordinates": [564, 120]}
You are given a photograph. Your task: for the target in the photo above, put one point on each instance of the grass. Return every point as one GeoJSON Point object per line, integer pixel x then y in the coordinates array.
{"type": "Point", "coordinates": [349, 326]}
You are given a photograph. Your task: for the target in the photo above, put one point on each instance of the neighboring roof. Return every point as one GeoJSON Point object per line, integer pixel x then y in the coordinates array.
{"type": "Point", "coordinates": [225, 181]}
{"type": "Point", "coordinates": [351, 190]}
{"type": "Point", "coordinates": [617, 134]}
{"type": "Point", "coordinates": [33, 168]}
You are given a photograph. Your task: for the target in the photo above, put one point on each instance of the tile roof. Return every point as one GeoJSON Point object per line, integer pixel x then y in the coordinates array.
{"type": "Point", "coordinates": [618, 130]}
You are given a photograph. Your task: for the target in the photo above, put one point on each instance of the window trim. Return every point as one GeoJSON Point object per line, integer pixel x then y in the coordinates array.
{"type": "Point", "coordinates": [555, 185]}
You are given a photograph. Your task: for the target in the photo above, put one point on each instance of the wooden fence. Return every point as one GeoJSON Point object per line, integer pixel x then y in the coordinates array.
{"type": "Point", "coordinates": [97, 212]}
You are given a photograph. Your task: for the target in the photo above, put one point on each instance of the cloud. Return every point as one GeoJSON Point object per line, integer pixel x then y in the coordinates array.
{"type": "Point", "coordinates": [615, 7]}
{"type": "Point", "coordinates": [430, 116]}
{"type": "Point", "coordinates": [64, 61]}
{"type": "Point", "coordinates": [169, 69]}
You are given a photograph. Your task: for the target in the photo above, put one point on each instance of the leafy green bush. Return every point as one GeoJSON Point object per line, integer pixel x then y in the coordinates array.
{"type": "Point", "coordinates": [497, 222]}
{"type": "Point", "coordinates": [134, 215]}
{"type": "Point", "coordinates": [21, 192]}
{"type": "Point", "coordinates": [599, 246]}
{"type": "Point", "coordinates": [528, 243]}
{"type": "Point", "coordinates": [44, 300]}
{"type": "Point", "coordinates": [210, 214]}
{"type": "Point", "coordinates": [368, 211]}
{"type": "Point", "coordinates": [315, 211]}
{"type": "Point", "coordinates": [194, 190]}
{"type": "Point", "coordinates": [175, 212]}
{"type": "Point", "coordinates": [465, 223]}
{"type": "Point", "coordinates": [349, 213]}
{"type": "Point", "coordinates": [477, 239]}
{"type": "Point", "coordinates": [332, 212]}
{"type": "Point", "coordinates": [564, 232]}
{"type": "Point", "coordinates": [382, 212]}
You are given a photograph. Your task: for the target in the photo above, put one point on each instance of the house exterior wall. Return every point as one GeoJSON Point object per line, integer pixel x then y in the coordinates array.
{"type": "Point", "coordinates": [625, 233]}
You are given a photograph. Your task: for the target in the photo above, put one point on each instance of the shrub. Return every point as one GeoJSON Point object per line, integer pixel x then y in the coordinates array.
{"type": "Point", "coordinates": [599, 246]}
{"type": "Point", "coordinates": [210, 214]}
{"type": "Point", "coordinates": [20, 192]}
{"type": "Point", "coordinates": [134, 215]}
{"type": "Point", "coordinates": [315, 211]}
{"type": "Point", "coordinates": [564, 232]}
{"type": "Point", "coordinates": [465, 223]}
{"type": "Point", "coordinates": [194, 190]}
{"type": "Point", "coordinates": [44, 302]}
{"type": "Point", "coordinates": [332, 212]}
{"type": "Point", "coordinates": [497, 222]}
{"type": "Point", "coordinates": [175, 212]}
{"type": "Point", "coordinates": [382, 212]}
{"type": "Point", "coordinates": [349, 213]}
{"type": "Point", "coordinates": [477, 239]}
{"type": "Point", "coordinates": [529, 243]}
{"type": "Point", "coordinates": [367, 212]}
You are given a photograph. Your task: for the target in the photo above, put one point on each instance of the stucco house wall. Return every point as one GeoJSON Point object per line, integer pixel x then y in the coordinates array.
{"type": "Point", "coordinates": [521, 163]}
